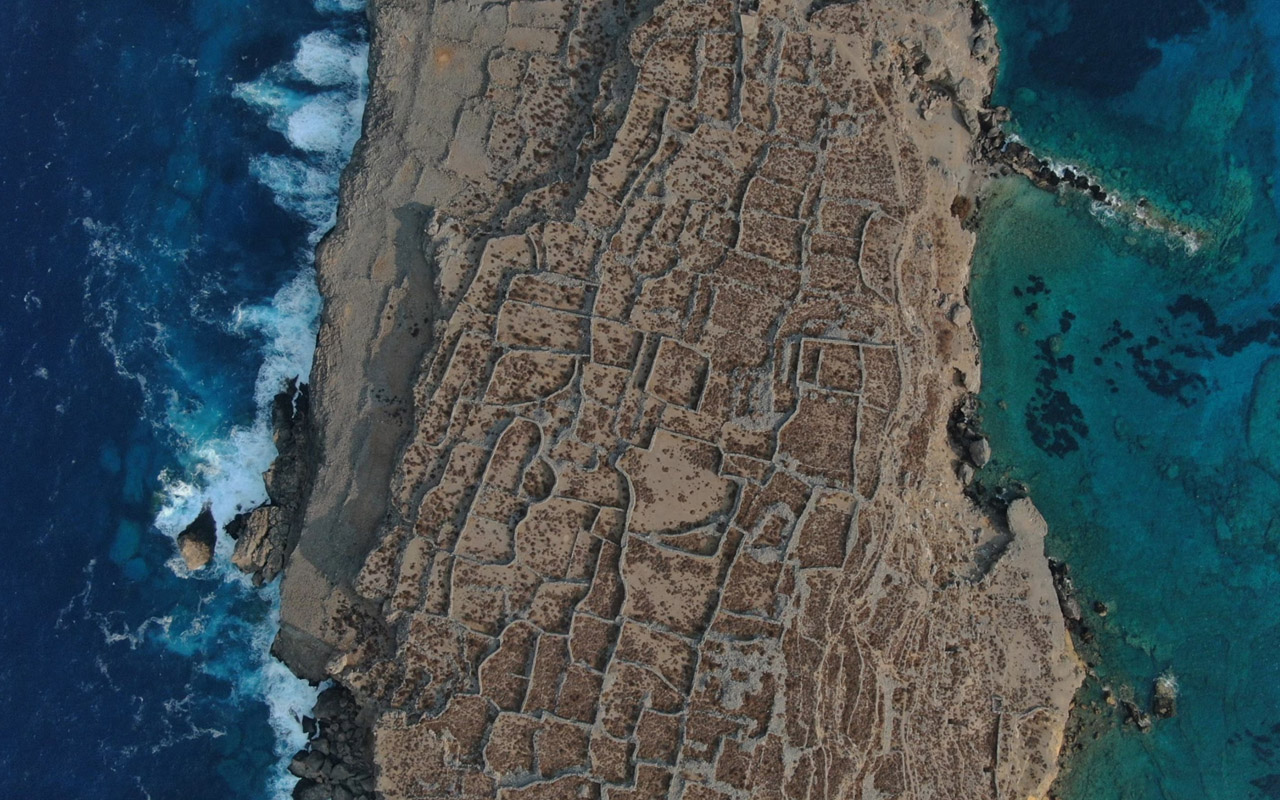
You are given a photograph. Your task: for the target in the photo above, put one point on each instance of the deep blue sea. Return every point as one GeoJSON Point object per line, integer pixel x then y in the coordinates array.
{"type": "Point", "coordinates": [1131, 376]}
{"type": "Point", "coordinates": [166, 168]}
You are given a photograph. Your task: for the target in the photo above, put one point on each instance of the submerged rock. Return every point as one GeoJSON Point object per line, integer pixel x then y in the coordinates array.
{"type": "Point", "coordinates": [1137, 716]}
{"type": "Point", "coordinates": [195, 543]}
{"type": "Point", "coordinates": [1262, 428]}
{"type": "Point", "coordinates": [1165, 704]}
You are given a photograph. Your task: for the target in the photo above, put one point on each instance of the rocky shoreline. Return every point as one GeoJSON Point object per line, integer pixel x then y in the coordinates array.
{"type": "Point", "coordinates": [1005, 155]}
{"type": "Point", "coordinates": [427, 663]}
{"type": "Point", "coordinates": [265, 535]}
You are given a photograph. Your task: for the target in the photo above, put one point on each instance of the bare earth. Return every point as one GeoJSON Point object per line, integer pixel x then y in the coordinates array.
{"type": "Point", "coordinates": [641, 333]}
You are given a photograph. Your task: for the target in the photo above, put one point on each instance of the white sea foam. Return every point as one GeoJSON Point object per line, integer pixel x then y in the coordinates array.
{"type": "Point", "coordinates": [225, 470]}
{"type": "Point", "coordinates": [328, 124]}
{"type": "Point", "coordinates": [326, 59]}
{"type": "Point", "coordinates": [339, 6]}
{"type": "Point", "coordinates": [322, 127]}
{"type": "Point", "coordinates": [300, 188]}
{"type": "Point", "coordinates": [288, 324]}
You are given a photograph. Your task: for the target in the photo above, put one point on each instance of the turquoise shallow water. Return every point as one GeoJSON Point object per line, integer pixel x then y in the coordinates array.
{"type": "Point", "coordinates": [1133, 384]}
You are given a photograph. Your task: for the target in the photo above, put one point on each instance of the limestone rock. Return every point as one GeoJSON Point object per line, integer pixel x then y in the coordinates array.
{"type": "Point", "coordinates": [1063, 584]}
{"type": "Point", "coordinates": [1025, 520]}
{"type": "Point", "coordinates": [261, 538]}
{"type": "Point", "coordinates": [1135, 714]}
{"type": "Point", "coordinates": [980, 452]}
{"type": "Point", "coordinates": [628, 392]}
{"type": "Point", "coordinates": [197, 540]}
{"type": "Point", "coordinates": [1165, 702]}
{"type": "Point", "coordinates": [265, 534]}
{"type": "Point", "coordinates": [290, 412]}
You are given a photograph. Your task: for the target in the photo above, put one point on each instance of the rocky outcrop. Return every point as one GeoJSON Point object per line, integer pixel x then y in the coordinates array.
{"type": "Point", "coordinates": [337, 763]}
{"type": "Point", "coordinates": [1164, 702]}
{"type": "Point", "coordinates": [265, 535]}
{"type": "Point", "coordinates": [197, 540]}
{"type": "Point", "coordinates": [262, 536]}
{"type": "Point", "coordinates": [1025, 521]}
{"type": "Point", "coordinates": [631, 392]}
{"type": "Point", "coordinates": [1065, 586]}
{"type": "Point", "coordinates": [979, 452]}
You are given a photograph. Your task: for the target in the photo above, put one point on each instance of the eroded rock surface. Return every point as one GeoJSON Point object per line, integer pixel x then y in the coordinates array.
{"type": "Point", "coordinates": [196, 542]}
{"type": "Point", "coordinates": [632, 395]}
{"type": "Point", "coordinates": [265, 535]}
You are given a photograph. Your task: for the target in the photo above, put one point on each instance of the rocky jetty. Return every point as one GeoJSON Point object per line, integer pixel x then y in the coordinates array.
{"type": "Point", "coordinates": [631, 469]}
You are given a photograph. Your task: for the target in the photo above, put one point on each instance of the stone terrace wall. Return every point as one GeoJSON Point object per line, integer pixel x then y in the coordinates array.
{"type": "Point", "coordinates": [674, 517]}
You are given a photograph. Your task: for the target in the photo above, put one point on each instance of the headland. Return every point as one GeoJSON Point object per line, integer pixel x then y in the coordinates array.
{"type": "Point", "coordinates": [629, 471]}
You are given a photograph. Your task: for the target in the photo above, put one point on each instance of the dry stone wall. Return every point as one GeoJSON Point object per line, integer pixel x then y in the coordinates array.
{"type": "Point", "coordinates": [673, 514]}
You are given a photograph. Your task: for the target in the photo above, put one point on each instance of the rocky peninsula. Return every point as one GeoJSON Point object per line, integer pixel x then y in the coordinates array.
{"type": "Point", "coordinates": [628, 471]}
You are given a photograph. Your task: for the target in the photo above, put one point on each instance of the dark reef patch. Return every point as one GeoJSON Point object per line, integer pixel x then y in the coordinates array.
{"type": "Point", "coordinates": [1107, 46]}
{"type": "Point", "coordinates": [1229, 339]}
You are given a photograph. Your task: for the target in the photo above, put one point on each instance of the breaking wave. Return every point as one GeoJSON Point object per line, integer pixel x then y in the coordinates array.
{"type": "Point", "coordinates": [315, 102]}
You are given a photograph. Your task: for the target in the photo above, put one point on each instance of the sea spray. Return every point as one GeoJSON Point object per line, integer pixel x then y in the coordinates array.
{"type": "Point", "coordinates": [322, 126]}
{"type": "Point", "coordinates": [316, 102]}
{"type": "Point", "coordinates": [156, 292]}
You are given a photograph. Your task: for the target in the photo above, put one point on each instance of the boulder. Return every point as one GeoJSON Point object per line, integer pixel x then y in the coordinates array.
{"type": "Point", "coordinates": [195, 543]}
{"type": "Point", "coordinates": [1137, 716]}
{"type": "Point", "coordinates": [308, 789]}
{"type": "Point", "coordinates": [334, 703]}
{"type": "Point", "coordinates": [980, 452]}
{"type": "Point", "coordinates": [307, 764]}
